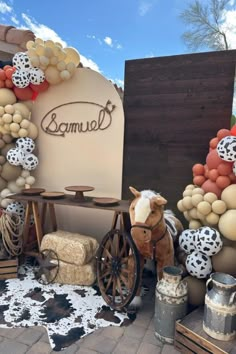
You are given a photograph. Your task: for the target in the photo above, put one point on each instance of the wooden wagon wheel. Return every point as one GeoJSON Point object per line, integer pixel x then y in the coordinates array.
{"type": "Point", "coordinates": [118, 269]}
{"type": "Point", "coordinates": [48, 266]}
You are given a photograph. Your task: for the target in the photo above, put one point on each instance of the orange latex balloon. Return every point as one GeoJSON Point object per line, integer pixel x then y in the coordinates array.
{"type": "Point", "coordinates": [198, 169]}
{"type": "Point", "coordinates": [232, 177]}
{"type": "Point", "coordinates": [41, 87]}
{"type": "Point", "coordinates": [213, 160]}
{"type": "Point", "coordinates": [223, 181]}
{"type": "Point", "coordinates": [23, 94]}
{"type": "Point", "coordinates": [224, 168]}
{"type": "Point", "coordinates": [233, 130]}
{"type": "Point", "coordinates": [213, 174]}
{"type": "Point", "coordinates": [213, 143]}
{"type": "Point", "coordinates": [199, 180]}
{"type": "Point", "coordinates": [206, 170]}
{"type": "Point", "coordinates": [222, 133]}
{"type": "Point", "coordinates": [209, 186]}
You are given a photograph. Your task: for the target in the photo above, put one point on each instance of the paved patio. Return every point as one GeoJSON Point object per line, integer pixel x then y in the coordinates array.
{"type": "Point", "coordinates": [136, 338]}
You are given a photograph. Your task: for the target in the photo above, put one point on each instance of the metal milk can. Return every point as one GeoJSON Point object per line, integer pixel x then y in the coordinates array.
{"type": "Point", "coordinates": [170, 303]}
{"type": "Point", "coordinates": [220, 307]}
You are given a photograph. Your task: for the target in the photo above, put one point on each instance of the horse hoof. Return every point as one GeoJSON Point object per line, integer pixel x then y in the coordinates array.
{"type": "Point", "coordinates": [135, 305]}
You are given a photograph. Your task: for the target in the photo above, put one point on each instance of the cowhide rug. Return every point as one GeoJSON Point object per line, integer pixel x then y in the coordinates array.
{"type": "Point", "coordinates": [68, 312]}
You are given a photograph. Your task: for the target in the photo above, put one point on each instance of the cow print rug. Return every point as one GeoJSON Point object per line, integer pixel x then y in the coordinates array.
{"type": "Point", "coordinates": [69, 312]}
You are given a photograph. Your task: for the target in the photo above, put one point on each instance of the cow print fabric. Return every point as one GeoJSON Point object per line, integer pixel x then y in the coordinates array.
{"type": "Point", "coordinates": [68, 312]}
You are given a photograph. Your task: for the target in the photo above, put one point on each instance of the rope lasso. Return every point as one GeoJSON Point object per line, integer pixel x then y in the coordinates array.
{"type": "Point", "coordinates": [11, 229]}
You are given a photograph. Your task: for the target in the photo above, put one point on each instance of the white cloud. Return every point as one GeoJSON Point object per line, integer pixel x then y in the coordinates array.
{"type": "Point", "coordinates": [42, 31]}
{"type": "Point", "coordinates": [108, 41]}
{"type": "Point", "coordinates": [119, 46]}
{"type": "Point", "coordinates": [144, 7]}
{"type": "Point", "coordinates": [14, 20]}
{"type": "Point", "coordinates": [89, 63]}
{"type": "Point", "coordinates": [4, 8]}
{"type": "Point", "coordinates": [229, 27]}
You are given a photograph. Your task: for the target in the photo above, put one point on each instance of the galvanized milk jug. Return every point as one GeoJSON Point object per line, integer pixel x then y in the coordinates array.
{"type": "Point", "coordinates": [170, 303]}
{"type": "Point", "coordinates": [220, 307]}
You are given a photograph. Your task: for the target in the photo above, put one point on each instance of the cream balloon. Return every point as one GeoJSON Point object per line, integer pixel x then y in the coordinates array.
{"type": "Point", "coordinates": [72, 55]}
{"type": "Point", "coordinates": [65, 75]}
{"type": "Point", "coordinates": [52, 75]}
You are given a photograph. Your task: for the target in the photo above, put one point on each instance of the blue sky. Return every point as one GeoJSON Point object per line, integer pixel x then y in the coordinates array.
{"type": "Point", "coordinates": [107, 32]}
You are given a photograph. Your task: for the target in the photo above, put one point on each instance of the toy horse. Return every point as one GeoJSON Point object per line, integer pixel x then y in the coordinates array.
{"type": "Point", "coordinates": [154, 232]}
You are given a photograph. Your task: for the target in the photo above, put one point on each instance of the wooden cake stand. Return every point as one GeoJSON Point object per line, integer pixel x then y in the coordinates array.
{"type": "Point", "coordinates": [79, 191]}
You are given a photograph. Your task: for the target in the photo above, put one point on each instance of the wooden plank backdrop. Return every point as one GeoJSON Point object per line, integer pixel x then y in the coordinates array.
{"type": "Point", "coordinates": [173, 106]}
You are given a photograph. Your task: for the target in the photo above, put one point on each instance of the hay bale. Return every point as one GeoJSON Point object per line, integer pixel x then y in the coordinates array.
{"type": "Point", "coordinates": [70, 247]}
{"type": "Point", "coordinates": [75, 275]}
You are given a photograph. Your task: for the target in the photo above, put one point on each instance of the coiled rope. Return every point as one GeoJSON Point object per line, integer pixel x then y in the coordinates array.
{"type": "Point", "coordinates": [11, 229]}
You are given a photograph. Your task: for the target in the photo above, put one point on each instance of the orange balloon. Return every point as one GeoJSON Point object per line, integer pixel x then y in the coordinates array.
{"type": "Point", "coordinates": [213, 174]}
{"type": "Point", "coordinates": [232, 177]}
{"type": "Point", "coordinates": [213, 160]}
{"type": "Point", "coordinates": [213, 143]}
{"type": "Point", "coordinates": [199, 180]}
{"type": "Point", "coordinates": [209, 186]}
{"type": "Point", "coordinates": [23, 94]}
{"type": "Point", "coordinates": [9, 73]}
{"type": "Point", "coordinates": [2, 84]}
{"type": "Point", "coordinates": [198, 169]}
{"type": "Point", "coordinates": [2, 75]}
{"type": "Point", "coordinates": [224, 168]}
{"type": "Point", "coordinates": [41, 87]}
{"type": "Point", "coordinates": [9, 83]}
{"type": "Point", "coordinates": [222, 133]}
{"type": "Point", "coordinates": [233, 130]}
{"type": "Point", "coordinates": [206, 170]}
{"type": "Point", "coordinates": [223, 181]}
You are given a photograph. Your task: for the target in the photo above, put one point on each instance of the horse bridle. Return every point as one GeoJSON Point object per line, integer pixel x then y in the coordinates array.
{"type": "Point", "coordinates": [151, 228]}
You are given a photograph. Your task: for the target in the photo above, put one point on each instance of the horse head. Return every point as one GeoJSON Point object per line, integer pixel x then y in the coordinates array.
{"type": "Point", "coordinates": [147, 219]}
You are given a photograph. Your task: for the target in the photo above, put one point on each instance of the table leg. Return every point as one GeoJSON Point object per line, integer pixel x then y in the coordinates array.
{"type": "Point", "coordinates": [37, 221]}
{"type": "Point", "coordinates": [52, 216]}
{"type": "Point", "coordinates": [44, 212]}
{"type": "Point", "coordinates": [115, 218]}
{"type": "Point", "coordinates": [28, 212]}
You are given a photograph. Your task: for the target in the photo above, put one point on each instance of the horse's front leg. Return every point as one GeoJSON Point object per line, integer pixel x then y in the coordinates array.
{"type": "Point", "coordinates": [136, 303]}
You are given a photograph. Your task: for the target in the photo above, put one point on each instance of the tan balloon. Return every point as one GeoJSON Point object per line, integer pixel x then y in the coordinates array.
{"type": "Point", "coordinates": [204, 207]}
{"type": "Point", "coordinates": [187, 192]}
{"type": "Point", "coordinates": [39, 41]}
{"type": "Point", "coordinates": [32, 131]}
{"type": "Point", "coordinates": [23, 133]}
{"type": "Point", "coordinates": [227, 224]}
{"type": "Point", "coordinates": [7, 138]}
{"type": "Point", "coordinates": [23, 109]}
{"type": "Point", "coordinates": [7, 118]}
{"type": "Point", "coordinates": [180, 206]}
{"type": "Point", "coordinates": [9, 108]}
{"type": "Point", "coordinates": [219, 207]}
{"type": "Point", "coordinates": [61, 65]}
{"type": "Point", "coordinates": [225, 261]}
{"type": "Point", "coordinates": [30, 44]}
{"type": "Point", "coordinates": [35, 61]}
{"type": "Point", "coordinates": [49, 43]}
{"type": "Point", "coordinates": [72, 55]}
{"type": "Point", "coordinates": [48, 52]}
{"type": "Point", "coordinates": [52, 75]}
{"type": "Point", "coordinates": [65, 75]}
{"type": "Point", "coordinates": [229, 196]}
{"type": "Point", "coordinates": [196, 290]}
{"type": "Point", "coordinates": [10, 172]}
{"type": "Point", "coordinates": [210, 197]}
{"type": "Point", "coordinates": [212, 218]}
{"type": "Point", "coordinates": [187, 202]}
{"type": "Point", "coordinates": [194, 224]}
{"type": "Point", "coordinates": [40, 49]}
{"type": "Point", "coordinates": [71, 67]}
{"type": "Point", "coordinates": [25, 123]}
{"type": "Point", "coordinates": [3, 183]}
{"type": "Point", "coordinates": [190, 186]}
{"type": "Point", "coordinates": [198, 191]}
{"type": "Point", "coordinates": [32, 52]}
{"type": "Point", "coordinates": [7, 97]}
{"type": "Point", "coordinates": [2, 110]}
{"type": "Point", "coordinates": [44, 60]}
{"type": "Point", "coordinates": [14, 127]}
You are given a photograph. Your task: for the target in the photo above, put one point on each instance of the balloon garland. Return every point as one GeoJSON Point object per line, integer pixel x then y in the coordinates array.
{"type": "Point", "coordinates": [21, 80]}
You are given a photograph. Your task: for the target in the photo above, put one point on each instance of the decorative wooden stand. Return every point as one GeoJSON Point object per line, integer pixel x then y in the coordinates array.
{"type": "Point", "coordinates": [190, 337]}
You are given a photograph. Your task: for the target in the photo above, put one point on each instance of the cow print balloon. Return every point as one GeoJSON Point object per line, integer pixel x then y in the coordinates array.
{"type": "Point", "coordinates": [198, 265]}
{"type": "Point", "coordinates": [30, 162]}
{"type": "Point", "coordinates": [15, 156]}
{"type": "Point", "coordinates": [37, 76]}
{"type": "Point", "coordinates": [21, 61]}
{"type": "Point", "coordinates": [21, 78]}
{"type": "Point", "coordinates": [25, 144]}
{"type": "Point", "coordinates": [187, 241]}
{"type": "Point", "coordinates": [226, 148]}
{"type": "Point", "coordinates": [17, 208]}
{"type": "Point", "coordinates": [209, 241]}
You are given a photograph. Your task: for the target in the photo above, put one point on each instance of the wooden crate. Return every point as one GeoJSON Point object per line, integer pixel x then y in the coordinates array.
{"type": "Point", "coordinates": [8, 268]}
{"type": "Point", "coordinates": [190, 337]}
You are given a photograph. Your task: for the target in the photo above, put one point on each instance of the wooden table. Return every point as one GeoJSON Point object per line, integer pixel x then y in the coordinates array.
{"type": "Point", "coordinates": [33, 204]}
{"type": "Point", "coordinates": [191, 338]}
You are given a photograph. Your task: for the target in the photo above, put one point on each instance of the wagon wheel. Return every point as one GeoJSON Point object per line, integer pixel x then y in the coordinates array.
{"type": "Point", "coordinates": [48, 266]}
{"type": "Point", "coordinates": [118, 269]}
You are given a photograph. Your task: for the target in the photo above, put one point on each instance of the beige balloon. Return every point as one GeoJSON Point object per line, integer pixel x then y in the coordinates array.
{"type": "Point", "coordinates": [7, 97]}
{"type": "Point", "coordinates": [10, 172]}
{"type": "Point", "coordinates": [72, 55]}
{"type": "Point", "coordinates": [32, 131]}
{"type": "Point", "coordinates": [23, 109]}
{"type": "Point", "coordinates": [52, 75]}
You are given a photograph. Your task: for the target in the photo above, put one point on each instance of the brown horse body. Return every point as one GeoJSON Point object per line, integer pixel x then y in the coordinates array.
{"type": "Point", "coordinates": [153, 229]}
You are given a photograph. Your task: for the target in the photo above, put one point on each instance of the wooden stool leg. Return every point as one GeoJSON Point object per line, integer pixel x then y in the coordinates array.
{"type": "Point", "coordinates": [53, 217]}
{"type": "Point", "coordinates": [43, 218]}
{"type": "Point", "coordinates": [115, 218]}
{"type": "Point", "coordinates": [28, 212]}
{"type": "Point", "coordinates": [37, 221]}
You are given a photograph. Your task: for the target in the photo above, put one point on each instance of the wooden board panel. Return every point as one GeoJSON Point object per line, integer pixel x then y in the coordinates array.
{"type": "Point", "coordinates": [8, 268]}
{"type": "Point", "coordinates": [173, 107]}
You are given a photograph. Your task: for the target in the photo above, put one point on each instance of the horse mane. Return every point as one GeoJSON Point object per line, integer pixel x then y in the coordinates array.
{"type": "Point", "coordinates": [148, 193]}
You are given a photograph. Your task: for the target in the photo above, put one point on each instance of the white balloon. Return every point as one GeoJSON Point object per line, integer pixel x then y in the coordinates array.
{"type": "Point", "coordinates": [21, 78]}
